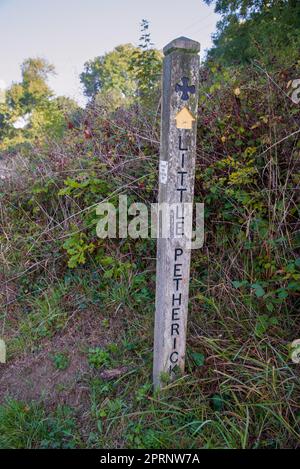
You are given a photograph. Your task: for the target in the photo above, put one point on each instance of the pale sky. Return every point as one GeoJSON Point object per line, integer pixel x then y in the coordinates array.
{"type": "Point", "coordinates": [70, 32]}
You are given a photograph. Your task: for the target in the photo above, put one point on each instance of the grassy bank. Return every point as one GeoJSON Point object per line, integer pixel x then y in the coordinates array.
{"type": "Point", "coordinates": [77, 311]}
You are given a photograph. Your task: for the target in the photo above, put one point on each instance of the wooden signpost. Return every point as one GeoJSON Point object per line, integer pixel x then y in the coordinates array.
{"type": "Point", "coordinates": [176, 188]}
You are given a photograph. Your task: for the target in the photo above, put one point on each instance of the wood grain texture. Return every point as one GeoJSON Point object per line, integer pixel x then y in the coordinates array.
{"type": "Point", "coordinates": [178, 149]}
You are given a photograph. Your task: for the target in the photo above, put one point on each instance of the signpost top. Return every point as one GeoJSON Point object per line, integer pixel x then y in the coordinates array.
{"type": "Point", "coordinates": [182, 44]}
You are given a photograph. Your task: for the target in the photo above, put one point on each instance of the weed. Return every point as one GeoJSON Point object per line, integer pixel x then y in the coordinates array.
{"type": "Point", "coordinates": [28, 426]}
{"type": "Point", "coordinates": [61, 361]}
{"type": "Point", "coordinates": [98, 357]}
{"type": "Point", "coordinates": [46, 316]}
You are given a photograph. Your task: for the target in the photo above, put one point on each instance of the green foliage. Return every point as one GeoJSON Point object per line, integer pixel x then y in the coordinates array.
{"type": "Point", "coordinates": [88, 188]}
{"type": "Point", "coordinates": [47, 119]}
{"type": "Point", "coordinates": [218, 402]}
{"type": "Point", "coordinates": [33, 90]}
{"type": "Point", "coordinates": [241, 386]}
{"type": "Point", "coordinates": [115, 269]}
{"type": "Point", "coordinates": [236, 189]}
{"type": "Point", "coordinates": [264, 322]}
{"type": "Point", "coordinates": [61, 361]}
{"type": "Point", "coordinates": [98, 357]}
{"type": "Point", "coordinates": [146, 64]}
{"type": "Point", "coordinates": [198, 358]}
{"type": "Point", "coordinates": [28, 426]}
{"type": "Point", "coordinates": [258, 290]}
{"type": "Point", "coordinates": [43, 317]}
{"type": "Point", "coordinates": [32, 100]}
{"type": "Point", "coordinates": [255, 29]}
{"type": "Point", "coordinates": [125, 75]}
{"type": "Point", "coordinates": [78, 248]}
{"type": "Point", "coordinates": [111, 73]}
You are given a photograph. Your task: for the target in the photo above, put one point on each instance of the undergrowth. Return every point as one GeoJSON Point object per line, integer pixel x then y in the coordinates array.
{"type": "Point", "coordinates": [241, 389]}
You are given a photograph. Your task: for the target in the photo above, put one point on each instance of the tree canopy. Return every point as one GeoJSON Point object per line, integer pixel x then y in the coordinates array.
{"type": "Point", "coordinates": [126, 74]}
{"type": "Point", "coordinates": [33, 89]}
{"type": "Point", "coordinates": [110, 71]}
{"type": "Point", "coordinates": [31, 102]}
{"type": "Point", "coordinates": [268, 31]}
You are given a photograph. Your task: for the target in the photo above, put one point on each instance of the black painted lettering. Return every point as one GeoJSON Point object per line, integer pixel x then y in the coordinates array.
{"type": "Point", "coordinates": [179, 216]}
{"type": "Point", "coordinates": [177, 271]}
{"type": "Point", "coordinates": [174, 357]}
{"type": "Point", "coordinates": [179, 228]}
{"type": "Point", "coordinates": [182, 173]}
{"type": "Point", "coordinates": [172, 368]}
{"type": "Point", "coordinates": [178, 253]}
{"type": "Point", "coordinates": [175, 314]}
{"type": "Point", "coordinates": [180, 144]}
{"type": "Point", "coordinates": [177, 280]}
{"type": "Point", "coordinates": [181, 190]}
{"type": "Point", "coordinates": [174, 328]}
{"type": "Point", "coordinates": [178, 299]}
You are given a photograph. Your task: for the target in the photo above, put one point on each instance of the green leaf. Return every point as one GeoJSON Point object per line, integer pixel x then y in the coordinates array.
{"type": "Point", "coordinates": [261, 325]}
{"type": "Point", "coordinates": [198, 358]}
{"type": "Point", "coordinates": [238, 283]}
{"type": "Point", "coordinates": [108, 274]}
{"type": "Point", "coordinates": [297, 262]}
{"type": "Point", "coordinates": [217, 402]}
{"type": "Point", "coordinates": [108, 260]}
{"type": "Point", "coordinates": [282, 293]}
{"type": "Point", "coordinates": [258, 290]}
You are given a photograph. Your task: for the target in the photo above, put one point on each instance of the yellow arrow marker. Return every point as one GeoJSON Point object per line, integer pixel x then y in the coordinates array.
{"type": "Point", "coordinates": [184, 119]}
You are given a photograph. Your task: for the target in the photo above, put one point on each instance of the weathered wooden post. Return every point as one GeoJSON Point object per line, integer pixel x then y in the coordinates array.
{"type": "Point", "coordinates": [176, 186]}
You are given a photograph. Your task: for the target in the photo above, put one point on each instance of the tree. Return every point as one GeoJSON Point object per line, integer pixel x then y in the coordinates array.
{"type": "Point", "coordinates": [22, 97]}
{"type": "Point", "coordinates": [49, 119]}
{"type": "Point", "coordinates": [32, 101]}
{"type": "Point", "coordinates": [146, 64]}
{"type": "Point", "coordinates": [268, 31]}
{"type": "Point", "coordinates": [125, 74]}
{"type": "Point", "coordinates": [110, 72]}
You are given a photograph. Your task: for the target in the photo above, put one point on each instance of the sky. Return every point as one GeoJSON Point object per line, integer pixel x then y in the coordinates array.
{"type": "Point", "coordinates": [69, 32]}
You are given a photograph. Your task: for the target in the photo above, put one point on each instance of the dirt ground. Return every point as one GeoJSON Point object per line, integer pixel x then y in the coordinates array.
{"type": "Point", "coordinates": [34, 377]}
